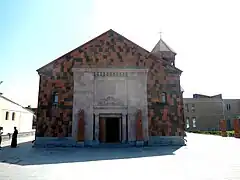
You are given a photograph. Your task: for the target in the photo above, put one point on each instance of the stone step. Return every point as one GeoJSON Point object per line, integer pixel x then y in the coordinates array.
{"type": "Point", "coordinates": [114, 145]}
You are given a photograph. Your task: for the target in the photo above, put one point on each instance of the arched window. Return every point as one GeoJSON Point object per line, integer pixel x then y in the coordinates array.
{"type": "Point", "coordinates": [55, 98]}
{"type": "Point", "coordinates": [163, 97]}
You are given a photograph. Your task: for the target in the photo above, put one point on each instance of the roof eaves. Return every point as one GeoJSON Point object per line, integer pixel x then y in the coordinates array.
{"type": "Point", "coordinates": [149, 53]}
{"type": "Point", "coordinates": [9, 100]}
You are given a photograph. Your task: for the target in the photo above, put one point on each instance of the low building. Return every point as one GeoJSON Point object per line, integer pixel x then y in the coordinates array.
{"type": "Point", "coordinates": [204, 112]}
{"type": "Point", "coordinates": [14, 115]}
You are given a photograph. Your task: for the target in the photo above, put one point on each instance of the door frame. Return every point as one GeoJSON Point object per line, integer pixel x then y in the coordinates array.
{"type": "Point", "coordinates": [104, 117]}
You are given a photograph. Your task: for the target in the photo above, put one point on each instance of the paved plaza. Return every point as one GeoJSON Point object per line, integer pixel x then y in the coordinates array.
{"type": "Point", "coordinates": [205, 157]}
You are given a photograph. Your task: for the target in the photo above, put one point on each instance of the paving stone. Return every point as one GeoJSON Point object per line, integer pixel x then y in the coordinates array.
{"type": "Point", "coordinates": [206, 157]}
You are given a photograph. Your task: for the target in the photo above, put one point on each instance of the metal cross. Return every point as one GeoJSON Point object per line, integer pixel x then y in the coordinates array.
{"type": "Point", "coordinates": [160, 34]}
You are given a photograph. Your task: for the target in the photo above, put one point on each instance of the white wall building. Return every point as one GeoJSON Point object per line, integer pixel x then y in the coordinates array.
{"type": "Point", "coordinates": [13, 114]}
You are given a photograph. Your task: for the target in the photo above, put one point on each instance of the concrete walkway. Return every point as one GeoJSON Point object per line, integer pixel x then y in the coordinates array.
{"type": "Point", "coordinates": [205, 157]}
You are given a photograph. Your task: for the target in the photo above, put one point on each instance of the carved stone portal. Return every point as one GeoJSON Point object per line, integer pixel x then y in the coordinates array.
{"type": "Point", "coordinates": [109, 91]}
{"type": "Point", "coordinates": [110, 101]}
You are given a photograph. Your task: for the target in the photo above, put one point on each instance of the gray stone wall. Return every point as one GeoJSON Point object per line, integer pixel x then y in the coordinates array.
{"type": "Point", "coordinates": [107, 90]}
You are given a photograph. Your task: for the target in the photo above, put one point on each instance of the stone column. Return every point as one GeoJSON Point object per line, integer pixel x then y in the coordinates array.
{"type": "Point", "coordinates": [139, 126]}
{"type": "Point", "coordinates": [102, 130]}
{"type": "Point", "coordinates": [83, 99]}
{"type": "Point", "coordinates": [120, 129]}
{"type": "Point", "coordinates": [131, 127]}
{"type": "Point", "coordinates": [124, 130]}
{"type": "Point", "coordinates": [97, 128]}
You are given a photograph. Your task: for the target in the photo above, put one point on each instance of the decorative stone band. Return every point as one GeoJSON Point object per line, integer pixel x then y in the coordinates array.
{"type": "Point", "coordinates": [110, 101]}
{"type": "Point", "coordinates": [111, 71]}
{"type": "Point", "coordinates": [111, 74]}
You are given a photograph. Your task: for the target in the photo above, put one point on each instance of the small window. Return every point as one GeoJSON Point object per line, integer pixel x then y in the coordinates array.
{"type": "Point", "coordinates": [55, 98]}
{"type": "Point", "coordinates": [13, 116]}
{"type": "Point", "coordinates": [228, 107]}
{"type": "Point", "coordinates": [187, 122]}
{"type": "Point", "coordinates": [193, 107]}
{"type": "Point", "coordinates": [194, 122]}
{"type": "Point", "coordinates": [186, 107]}
{"type": "Point", "coordinates": [164, 97]}
{"type": "Point", "coordinates": [7, 114]}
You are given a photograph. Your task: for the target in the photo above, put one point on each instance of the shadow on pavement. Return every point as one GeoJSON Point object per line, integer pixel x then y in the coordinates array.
{"type": "Point", "coordinates": [24, 154]}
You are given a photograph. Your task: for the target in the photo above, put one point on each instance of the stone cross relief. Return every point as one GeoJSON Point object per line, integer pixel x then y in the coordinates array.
{"type": "Point", "coordinates": [110, 101]}
{"type": "Point", "coordinates": [81, 80]}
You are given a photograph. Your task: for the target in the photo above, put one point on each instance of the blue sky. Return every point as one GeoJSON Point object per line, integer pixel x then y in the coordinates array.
{"type": "Point", "coordinates": [205, 35]}
{"type": "Point", "coordinates": [34, 33]}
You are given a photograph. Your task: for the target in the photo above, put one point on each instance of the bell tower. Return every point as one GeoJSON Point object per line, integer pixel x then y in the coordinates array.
{"type": "Point", "coordinates": [163, 51]}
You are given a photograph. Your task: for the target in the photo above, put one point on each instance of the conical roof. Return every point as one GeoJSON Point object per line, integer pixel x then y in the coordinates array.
{"type": "Point", "coordinates": [162, 46]}
{"type": "Point", "coordinates": [182, 90]}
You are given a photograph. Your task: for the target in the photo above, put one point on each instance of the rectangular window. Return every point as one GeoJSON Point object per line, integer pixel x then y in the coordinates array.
{"type": "Point", "coordinates": [187, 122]}
{"type": "Point", "coordinates": [7, 114]}
{"type": "Point", "coordinates": [13, 116]}
{"type": "Point", "coordinates": [194, 122]}
{"type": "Point", "coordinates": [193, 107]}
{"type": "Point", "coordinates": [228, 107]}
{"type": "Point", "coordinates": [186, 107]}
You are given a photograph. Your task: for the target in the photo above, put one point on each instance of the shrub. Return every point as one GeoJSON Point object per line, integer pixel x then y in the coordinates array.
{"type": "Point", "coordinates": [207, 132]}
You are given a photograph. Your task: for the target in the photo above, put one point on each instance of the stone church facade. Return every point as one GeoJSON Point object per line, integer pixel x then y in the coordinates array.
{"type": "Point", "coordinates": [110, 90]}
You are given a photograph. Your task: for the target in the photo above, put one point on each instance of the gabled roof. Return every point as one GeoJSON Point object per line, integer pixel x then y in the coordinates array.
{"type": "Point", "coordinates": [218, 96]}
{"type": "Point", "coordinates": [9, 100]}
{"type": "Point", "coordinates": [162, 46]}
{"type": "Point", "coordinates": [109, 31]}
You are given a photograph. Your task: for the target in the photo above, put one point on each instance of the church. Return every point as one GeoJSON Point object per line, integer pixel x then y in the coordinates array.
{"type": "Point", "coordinates": [111, 91]}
